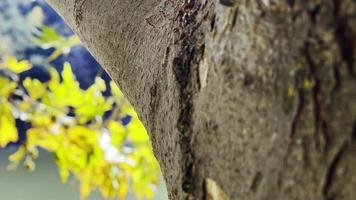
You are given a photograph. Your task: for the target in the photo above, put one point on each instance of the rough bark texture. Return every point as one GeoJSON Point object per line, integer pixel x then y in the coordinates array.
{"type": "Point", "coordinates": [259, 96]}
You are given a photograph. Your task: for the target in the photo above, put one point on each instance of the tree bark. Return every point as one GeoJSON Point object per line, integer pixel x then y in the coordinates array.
{"type": "Point", "coordinates": [258, 96]}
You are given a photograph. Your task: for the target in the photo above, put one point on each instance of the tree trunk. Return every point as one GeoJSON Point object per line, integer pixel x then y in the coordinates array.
{"type": "Point", "coordinates": [258, 96]}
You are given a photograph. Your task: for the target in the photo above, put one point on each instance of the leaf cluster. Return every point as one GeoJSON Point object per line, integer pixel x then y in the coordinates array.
{"type": "Point", "coordinates": [82, 129]}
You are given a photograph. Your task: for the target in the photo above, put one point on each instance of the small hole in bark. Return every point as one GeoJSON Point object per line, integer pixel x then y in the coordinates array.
{"type": "Point", "coordinates": [248, 80]}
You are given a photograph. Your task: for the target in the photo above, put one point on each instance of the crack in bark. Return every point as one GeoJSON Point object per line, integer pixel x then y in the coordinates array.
{"type": "Point", "coordinates": [300, 108]}
{"type": "Point", "coordinates": [183, 74]}
{"type": "Point", "coordinates": [331, 170]}
{"type": "Point", "coordinates": [183, 65]}
{"type": "Point", "coordinates": [321, 125]}
{"type": "Point", "coordinates": [316, 90]}
{"type": "Point", "coordinates": [318, 101]}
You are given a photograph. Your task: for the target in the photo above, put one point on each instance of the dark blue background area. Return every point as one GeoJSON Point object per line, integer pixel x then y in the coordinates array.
{"type": "Point", "coordinates": [52, 18]}
{"type": "Point", "coordinates": [84, 66]}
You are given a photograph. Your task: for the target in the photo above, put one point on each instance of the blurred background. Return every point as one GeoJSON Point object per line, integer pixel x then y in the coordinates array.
{"type": "Point", "coordinates": [44, 183]}
{"type": "Point", "coordinates": [37, 113]}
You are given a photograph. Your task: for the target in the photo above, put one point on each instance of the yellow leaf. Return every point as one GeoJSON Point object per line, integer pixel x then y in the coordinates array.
{"type": "Point", "coordinates": [16, 66]}
{"type": "Point", "coordinates": [40, 137]}
{"type": "Point", "coordinates": [62, 165]}
{"type": "Point", "coordinates": [63, 47]}
{"type": "Point", "coordinates": [67, 74]}
{"type": "Point", "coordinates": [18, 155]}
{"type": "Point", "coordinates": [137, 131]}
{"type": "Point", "coordinates": [55, 79]}
{"type": "Point", "coordinates": [16, 158]}
{"type": "Point", "coordinates": [34, 87]}
{"type": "Point", "coordinates": [41, 119]}
{"type": "Point", "coordinates": [123, 188]}
{"type": "Point", "coordinates": [115, 90]}
{"type": "Point", "coordinates": [6, 87]}
{"type": "Point", "coordinates": [85, 188]}
{"type": "Point", "coordinates": [66, 93]}
{"type": "Point", "coordinates": [8, 131]}
{"type": "Point", "coordinates": [83, 135]}
{"type": "Point", "coordinates": [118, 133]}
{"type": "Point", "coordinates": [24, 106]}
